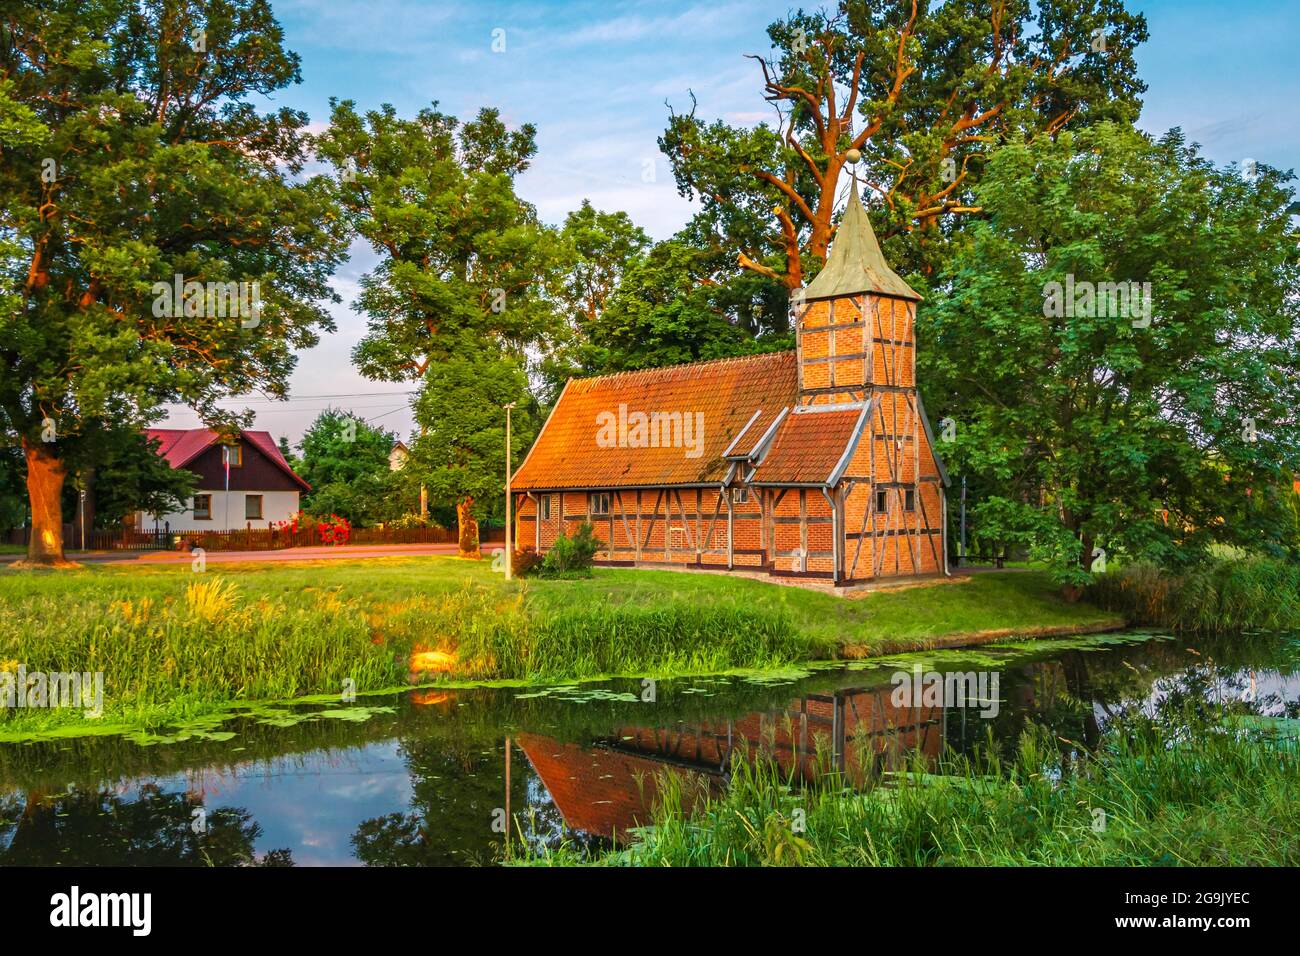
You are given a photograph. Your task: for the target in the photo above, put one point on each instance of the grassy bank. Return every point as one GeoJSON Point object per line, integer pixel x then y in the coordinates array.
{"type": "Point", "coordinates": [173, 645]}
{"type": "Point", "coordinates": [1151, 796]}
{"type": "Point", "coordinates": [1220, 596]}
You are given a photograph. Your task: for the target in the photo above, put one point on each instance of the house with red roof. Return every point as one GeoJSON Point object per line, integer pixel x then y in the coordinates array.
{"type": "Point", "coordinates": [243, 483]}
{"type": "Point", "coordinates": [818, 462]}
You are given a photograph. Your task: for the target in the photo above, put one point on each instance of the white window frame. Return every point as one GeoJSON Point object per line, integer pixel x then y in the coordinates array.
{"type": "Point", "coordinates": [595, 499]}
{"type": "Point", "coordinates": [740, 495]}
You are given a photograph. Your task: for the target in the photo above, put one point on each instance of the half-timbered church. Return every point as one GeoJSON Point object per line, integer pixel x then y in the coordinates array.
{"type": "Point", "coordinates": [817, 462]}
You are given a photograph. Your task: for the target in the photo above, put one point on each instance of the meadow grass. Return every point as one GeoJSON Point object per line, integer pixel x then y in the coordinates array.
{"type": "Point", "coordinates": [173, 644]}
{"type": "Point", "coordinates": [1150, 796]}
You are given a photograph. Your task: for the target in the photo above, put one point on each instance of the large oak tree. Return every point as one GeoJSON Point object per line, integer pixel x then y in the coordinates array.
{"type": "Point", "coordinates": [923, 90]}
{"type": "Point", "coordinates": [466, 273]}
{"type": "Point", "coordinates": [1148, 431]}
{"type": "Point", "coordinates": [133, 154]}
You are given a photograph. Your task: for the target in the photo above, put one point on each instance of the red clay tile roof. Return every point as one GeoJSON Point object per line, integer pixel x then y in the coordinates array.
{"type": "Point", "coordinates": [573, 451]}
{"type": "Point", "coordinates": [807, 446]}
{"type": "Point", "coordinates": [180, 446]}
{"type": "Point", "coordinates": [750, 438]}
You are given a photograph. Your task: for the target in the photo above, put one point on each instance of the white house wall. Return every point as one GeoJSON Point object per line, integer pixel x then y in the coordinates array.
{"type": "Point", "coordinates": [276, 506]}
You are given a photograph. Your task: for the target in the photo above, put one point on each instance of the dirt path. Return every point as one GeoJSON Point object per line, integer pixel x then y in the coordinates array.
{"type": "Point", "coordinates": [326, 553]}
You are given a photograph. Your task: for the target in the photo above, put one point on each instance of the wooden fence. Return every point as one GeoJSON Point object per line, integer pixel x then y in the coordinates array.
{"type": "Point", "coordinates": [248, 539]}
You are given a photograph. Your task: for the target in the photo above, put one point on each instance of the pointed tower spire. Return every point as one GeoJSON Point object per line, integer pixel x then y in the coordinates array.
{"type": "Point", "coordinates": [856, 264]}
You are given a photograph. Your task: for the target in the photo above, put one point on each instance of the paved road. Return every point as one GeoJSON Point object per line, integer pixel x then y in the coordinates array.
{"type": "Point", "coordinates": [342, 552]}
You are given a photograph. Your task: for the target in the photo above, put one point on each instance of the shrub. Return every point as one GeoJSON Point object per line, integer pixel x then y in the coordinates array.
{"type": "Point", "coordinates": [525, 562]}
{"type": "Point", "coordinates": [414, 520]}
{"type": "Point", "coordinates": [568, 555]}
{"type": "Point", "coordinates": [334, 530]}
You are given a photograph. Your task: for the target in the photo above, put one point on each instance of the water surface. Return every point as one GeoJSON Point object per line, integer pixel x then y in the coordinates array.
{"type": "Point", "coordinates": [429, 777]}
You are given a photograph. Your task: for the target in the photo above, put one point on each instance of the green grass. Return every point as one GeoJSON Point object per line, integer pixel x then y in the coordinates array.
{"type": "Point", "coordinates": [1019, 601]}
{"type": "Point", "coordinates": [1227, 594]}
{"type": "Point", "coordinates": [174, 645]}
{"type": "Point", "coordinates": [1151, 796]}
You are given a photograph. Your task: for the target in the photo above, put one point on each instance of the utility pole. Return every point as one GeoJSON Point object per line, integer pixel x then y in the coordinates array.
{"type": "Point", "coordinates": [961, 555]}
{"type": "Point", "coordinates": [510, 555]}
{"type": "Point", "coordinates": [424, 492]}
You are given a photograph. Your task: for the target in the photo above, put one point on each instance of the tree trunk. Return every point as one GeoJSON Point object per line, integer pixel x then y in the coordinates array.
{"type": "Point", "coordinates": [467, 527]}
{"type": "Point", "coordinates": [1073, 592]}
{"type": "Point", "coordinates": [45, 476]}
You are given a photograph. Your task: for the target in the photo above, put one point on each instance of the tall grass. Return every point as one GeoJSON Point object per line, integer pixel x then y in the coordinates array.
{"type": "Point", "coordinates": [1152, 796]}
{"type": "Point", "coordinates": [1218, 596]}
{"type": "Point", "coordinates": [209, 643]}
{"type": "Point", "coordinates": [674, 637]}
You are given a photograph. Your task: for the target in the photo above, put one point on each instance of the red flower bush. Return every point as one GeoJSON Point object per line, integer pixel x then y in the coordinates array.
{"type": "Point", "coordinates": [334, 529]}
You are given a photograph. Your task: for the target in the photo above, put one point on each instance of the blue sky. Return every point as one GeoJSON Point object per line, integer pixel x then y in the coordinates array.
{"type": "Point", "coordinates": [594, 78]}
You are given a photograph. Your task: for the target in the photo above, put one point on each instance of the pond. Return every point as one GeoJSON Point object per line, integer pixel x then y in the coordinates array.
{"type": "Point", "coordinates": [430, 777]}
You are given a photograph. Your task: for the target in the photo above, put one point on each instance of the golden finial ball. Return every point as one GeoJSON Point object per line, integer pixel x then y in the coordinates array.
{"type": "Point", "coordinates": [853, 155]}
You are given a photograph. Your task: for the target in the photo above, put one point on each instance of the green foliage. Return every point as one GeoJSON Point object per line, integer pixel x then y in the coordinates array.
{"type": "Point", "coordinates": [127, 475]}
{"type": "Point", "coordinates": [161, 656]}
{"type": "Point", "coordinates": [667, 311]}
{"type": "Point", "coordinates": [1082, 430]}
{"type": "Point", "coordinates": [573, 554]}
{"type": "Point", "coordinates": [412, 520]}
{"type": "Point", "coordinates": [598, 250]}
{"type": "Point", "coordinates": [339, 447]}
{"type": "Point", "coordinates": [1227, 595]}
{"type": "Point", "coordinates": [464, 263]}
{"type": "Point", "coordinates": [461, 454]}
{"type": "Point", "coordinates": [345, 460]}
{"type": "Point", "coordinates": [13, 491]}
{"type": "Point", "coordinates": [130, 158]}
{"type": "Point", "coordinates": [464, 282]}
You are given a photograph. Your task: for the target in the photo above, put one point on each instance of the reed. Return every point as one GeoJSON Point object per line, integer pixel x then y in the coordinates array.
{"type": "Point", "coordinates": [1217, 596]}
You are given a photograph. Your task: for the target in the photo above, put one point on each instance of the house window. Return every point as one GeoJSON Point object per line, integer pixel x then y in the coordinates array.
{"type": "Point", "coordinates": [253, 507]}
{"type": "Point", "coordinates": [600, 503]}
{"type": "Point", "coordinates": [236, 455]}
{"type": "Point", "coordinates": [882, 500]}
{"type": "Point", "coordinates": [740, 496]}
{"type": "Point", "coordinates": [909, 500]}
{"type": "Point", "coordinates": [202, 507]}
{"type": "Point", "coordinates": [544, 507]}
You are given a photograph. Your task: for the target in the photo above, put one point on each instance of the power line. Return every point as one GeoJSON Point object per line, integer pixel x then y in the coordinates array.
{"type": "Point", "coordinates": [298, 398]}
{"type": "Point", "coordinates": [399, 408]}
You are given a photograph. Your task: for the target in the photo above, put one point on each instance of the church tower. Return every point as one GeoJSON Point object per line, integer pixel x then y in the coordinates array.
{"type": "Point", "coordinates": [856, 340]}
